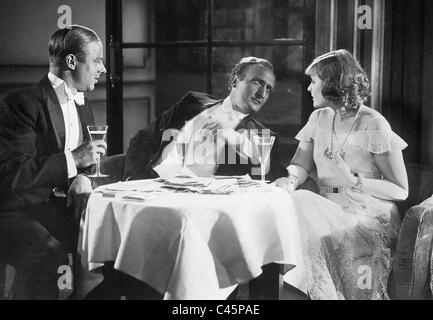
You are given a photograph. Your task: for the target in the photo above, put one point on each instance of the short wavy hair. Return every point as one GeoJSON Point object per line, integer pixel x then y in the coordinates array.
{"type": "Point", "coordinates": [344, 81]}
{"type": "Point", "coordinates": [240, 69]}
{"type": "Point", "coordinates": [71, 40]}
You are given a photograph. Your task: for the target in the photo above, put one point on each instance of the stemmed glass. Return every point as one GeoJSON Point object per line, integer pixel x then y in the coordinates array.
{"type": "Point", "coordinates": [181, 146]}
{"type": "Point", "coordinates": [98, 133]}
{"type": "Point", "coordinates": [263, 145]}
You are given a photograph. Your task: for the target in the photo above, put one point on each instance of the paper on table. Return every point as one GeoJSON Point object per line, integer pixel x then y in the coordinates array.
{"type": "Point", "coordinates": [182, 182]}
{"type": "Point", "coordinates": [244, 177]}
{"type": "Point", "coordinates": [254, 185]}
{"type": "Point", "coordinates": [134, 186]}
{"type": "Point", "coordinates": [137, 197]}
{"type": "Point", "coordinates": [225, 186]}
{"type": "Point", "coordinates": [171, 171]}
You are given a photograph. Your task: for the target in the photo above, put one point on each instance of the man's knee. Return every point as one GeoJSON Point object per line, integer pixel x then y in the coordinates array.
{"type": "Point", "coordinates": [55, 253]}
{"type": "Point", "coordinates": [49, 253]}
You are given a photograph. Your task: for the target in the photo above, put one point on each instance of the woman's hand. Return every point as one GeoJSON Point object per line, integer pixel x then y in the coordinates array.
{"type": "Point", "coordinates": [286, 184]}
{"type": "Point", "coordinates": [341, 170]}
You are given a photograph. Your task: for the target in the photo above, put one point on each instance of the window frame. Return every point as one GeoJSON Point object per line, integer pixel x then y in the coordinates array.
{"type": "Point", "coordinates": [115, 47]}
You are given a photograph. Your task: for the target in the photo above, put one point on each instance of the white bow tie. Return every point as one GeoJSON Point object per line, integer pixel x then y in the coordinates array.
{"type": "Point", "coordinates": [78, 97]}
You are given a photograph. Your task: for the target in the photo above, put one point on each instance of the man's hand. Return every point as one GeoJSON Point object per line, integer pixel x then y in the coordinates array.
{"type": "Point", "coordinates": [213, 126]}
{"type": "Point", "coordinates": [86, 154]}
{"type": "Point", "coordinates": [78, 194]}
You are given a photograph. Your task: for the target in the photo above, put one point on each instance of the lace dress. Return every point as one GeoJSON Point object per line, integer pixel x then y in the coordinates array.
{"type": "Point", "coordinates": [346, 236]}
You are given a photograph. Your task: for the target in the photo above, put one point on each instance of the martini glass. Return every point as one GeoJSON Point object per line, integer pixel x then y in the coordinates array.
{"type": "Point", "coordinates": [97, 133]}
{"type": "Point", "coordinates": [263, 145]}
{"type": "Point", "coordinates": [182, 150]}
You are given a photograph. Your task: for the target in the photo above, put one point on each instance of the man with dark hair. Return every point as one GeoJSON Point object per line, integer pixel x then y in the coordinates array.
{"type": "Point", "coordinates": [43, 155]}
{"type": "Point", "coordinates": [206, 135]}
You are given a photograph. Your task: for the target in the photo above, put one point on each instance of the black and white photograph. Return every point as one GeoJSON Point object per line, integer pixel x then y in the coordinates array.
{"type": "Point", "coordinates": [226, 151]}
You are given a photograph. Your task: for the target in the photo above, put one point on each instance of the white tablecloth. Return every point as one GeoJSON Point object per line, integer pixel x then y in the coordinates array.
{"type": "Point", "coordinates": [184, 245]}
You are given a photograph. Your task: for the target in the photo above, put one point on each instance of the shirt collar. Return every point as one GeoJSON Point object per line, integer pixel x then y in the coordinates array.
{"type": "Point", "coordinates": [227, 106]}
{"type": "Point", "coordinates": [61, 88]}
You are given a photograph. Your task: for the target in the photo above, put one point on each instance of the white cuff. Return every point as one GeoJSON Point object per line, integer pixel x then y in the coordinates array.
{"type": "Point", "coordinates": [72, 169]}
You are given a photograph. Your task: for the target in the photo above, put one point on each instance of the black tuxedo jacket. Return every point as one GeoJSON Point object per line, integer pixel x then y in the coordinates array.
{"type": "Point", "coordinates": [32, 139]}
{"type": "Point", "coordinates": [146, 146]}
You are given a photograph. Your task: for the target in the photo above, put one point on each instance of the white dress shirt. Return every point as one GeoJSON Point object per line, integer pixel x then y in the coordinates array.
{"type": "Point", "coordinates": [73, 130]}
{"type": "Point", "coordinates": [203, 151]}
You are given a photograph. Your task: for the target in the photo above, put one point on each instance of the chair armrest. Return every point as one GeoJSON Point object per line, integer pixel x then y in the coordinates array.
{"type": "Point", "coordinates": [420, 186]}
{"type": "Point", "coordinates": [410, 271]}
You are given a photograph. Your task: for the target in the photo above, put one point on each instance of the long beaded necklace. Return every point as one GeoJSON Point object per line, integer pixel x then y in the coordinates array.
{"type": "Point", "coordinates": [331, 153]}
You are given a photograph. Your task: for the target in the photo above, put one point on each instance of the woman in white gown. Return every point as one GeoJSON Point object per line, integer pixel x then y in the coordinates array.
{"type": "Point", "coordinates": [347, 231]}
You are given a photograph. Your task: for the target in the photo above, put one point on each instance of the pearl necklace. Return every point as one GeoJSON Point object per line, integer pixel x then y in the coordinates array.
{"type": "Point", "coordinates": [331, 153]}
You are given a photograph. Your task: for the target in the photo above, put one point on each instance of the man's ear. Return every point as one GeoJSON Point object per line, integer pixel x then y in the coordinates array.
{"type": "Point", "coordinates": [71, 61]}
{"type": "Point", "coordinates": [235, 81]}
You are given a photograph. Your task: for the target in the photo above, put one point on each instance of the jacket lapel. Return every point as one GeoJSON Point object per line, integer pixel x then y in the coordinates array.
{"type": "Point", "coordinates": [86, 119]}
{"type": "Point", "coordinates": [55, 112]}
{"type": "Point", "coordinates": [56, 115]}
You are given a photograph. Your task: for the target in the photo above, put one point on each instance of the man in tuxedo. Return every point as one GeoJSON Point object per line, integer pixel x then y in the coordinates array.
{"type": "Point", "coordinates": [208, 135]}
{"type": "Point", "coordinates": [43, 160]}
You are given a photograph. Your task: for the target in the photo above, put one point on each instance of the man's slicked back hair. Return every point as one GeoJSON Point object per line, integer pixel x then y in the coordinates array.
{"type": "Point", "coordinates": [72, 40]}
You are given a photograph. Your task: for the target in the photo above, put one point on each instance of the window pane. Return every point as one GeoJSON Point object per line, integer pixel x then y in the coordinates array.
{"type": "Point", "coordinates": [136, 27]}
{"type": "Point", "coordinates": [180, 20]}
{"type": "Point", "coordinates": [178, 70]}
{"type": "Point", "coordinates": [257, 19]}
{"type": "Point", "coordinates": [282, 112]}
{"type": "Point", "coordinates": [136, 20]}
